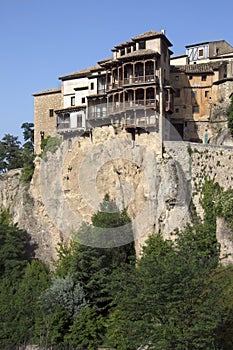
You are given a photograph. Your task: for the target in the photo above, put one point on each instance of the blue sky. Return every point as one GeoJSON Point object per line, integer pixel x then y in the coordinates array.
{"type": "Point", "coordinates": [44, 39]}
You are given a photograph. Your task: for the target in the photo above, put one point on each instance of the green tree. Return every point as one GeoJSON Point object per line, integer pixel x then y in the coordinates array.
{"type": "Point", "coordinates": [171, 301]}
{"type": "Point", "coordinates": [20, 283]}
{"type": "Point", "coordinates": [87, 330]}
{"type": "Point", "coordinates": [26, 301]}
{"type": "Point", "coordinates": [28, 151]}
{"type": "Point", "coordinates": [10, 153]}
{"type": "Point", "coordinates": [94, 268]}
{"type": "Point", "coordinates": [13, 249]}
{"type": "Point", "coordinates": [63, 293]}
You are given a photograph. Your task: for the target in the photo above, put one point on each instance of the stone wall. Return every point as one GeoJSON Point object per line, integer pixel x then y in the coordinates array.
{"type": "Point", "coordinates": [44, 122]}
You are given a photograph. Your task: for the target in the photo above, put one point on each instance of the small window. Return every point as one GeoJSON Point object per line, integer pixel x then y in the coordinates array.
{"type": "Point", "coordinates": [79, 120]}
{"type": "Point", "coordinates": [128, 50]}
{"type": "Point", "coordinates": [195, 109]}
{"type": "Point", "coordinates": [92, 86]}
{"type": "Point", "coordinates": [177, 93]}
{"type": "Point", "coordinates": [72, 101]}
{"type": "Point", "coordinates": [200, 52]}
{"type": "Point", "coordinates": [142, 45]}
{"type": "Point", "coordinates": [122, 52]}
{"type": "Point", "coordinates": [206, 93]}
{"type": "Point", "coordinates": [83, 99]}
{"type": "Point", "coordinates": [190, 77]}
{"type": "Point", "coordinates": [177, 110]}
{"type": "Point", "coordinates": [194, 94]}
{"type": "Point", "coordinates": [134, 47]}
{"type": "Point", "coordinates": [51, 112]}
{"type": "Point", "coordinates": [177, 77]}
{"type": "Point", "coordinates": [203, 77]}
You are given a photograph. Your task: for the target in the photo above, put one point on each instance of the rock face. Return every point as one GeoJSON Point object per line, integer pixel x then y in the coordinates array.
{"type": "Point", "coordinates": [68, 186]}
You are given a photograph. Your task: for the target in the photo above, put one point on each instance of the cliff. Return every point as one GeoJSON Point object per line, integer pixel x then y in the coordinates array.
{"type": "Point", "coordinates": [69, 184]}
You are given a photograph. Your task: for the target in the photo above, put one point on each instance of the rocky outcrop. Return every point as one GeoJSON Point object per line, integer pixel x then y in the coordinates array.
{"type": "Point", "coordinates": [68, 186]}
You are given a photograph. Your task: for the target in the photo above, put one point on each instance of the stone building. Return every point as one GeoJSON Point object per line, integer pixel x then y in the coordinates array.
{"type": "Point", "coordinates": [143, 88]}
{"type": "Point", "coordinates": [203, 82]}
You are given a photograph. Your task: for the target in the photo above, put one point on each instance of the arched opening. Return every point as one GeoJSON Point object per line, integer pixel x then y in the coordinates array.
{"type": "Point", "coordinates": [139, 98]}
{"type": "Point", "coordinates": [139, 73]}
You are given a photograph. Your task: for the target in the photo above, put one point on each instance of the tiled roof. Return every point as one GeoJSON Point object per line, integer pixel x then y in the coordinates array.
{"type": "Point", "coordinates": [82, 72]}
{"type": "Point", "coordinates": [47, 92]}
{"type": "Point", "coordinates": [126, 43]}
{"type": "Point", "coordinates": [131, 55]}
{"type": "Point", "coordinates": [145, 35]}
{"type": "Point", "coordinates": [197, 68]}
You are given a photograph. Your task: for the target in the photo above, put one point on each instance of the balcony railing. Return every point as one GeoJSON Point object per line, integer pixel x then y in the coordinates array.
{"type": "Point", "coordinates": [142, 121]}
{"type": "Point", "coordinates": [98, 114]}
{"type": "Point", "coordinates": [122, 106]}
{"type": "Point", "coordinates": [140, 79]}
{"type": "Point", "coordinates": [63, 125]}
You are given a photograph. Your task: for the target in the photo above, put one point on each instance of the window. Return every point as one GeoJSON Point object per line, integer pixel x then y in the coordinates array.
{"type": "Point", "coordinates": [207, 93]}
{"type": "Point", "coordinates": [200, 52]}
{"type": "Point", "coordinates": [92, 86]}
{"type": "Point", "coordinates": [79, 120]}
{"type": "Point", "coordinates": [177, 93]}
{"type": "Point", "coordinates": [177, 77]}
{"type": "Point", "coordinates": [177, 110]}
{"type": "Point", "coordinates": [83, 99]}
{"type": "Point", "coordinates": [195, 109]}
{"type": "Point", "coordinates": [51, 113]}
{"type": "Point", "coordinates": [203, 77]}
{"type": "Point", "coordinates": [142, 45]}
{"type": "Point", "coordinates": [72, 101]}
{"type": "Point", "coordinates": [190, 77]}
{"type": "Point", "coordinates": [128, 50]}
{"type": "Point", "coordinates": [194, 94]}
{"type": "Point", "coordinates": [122, 52]}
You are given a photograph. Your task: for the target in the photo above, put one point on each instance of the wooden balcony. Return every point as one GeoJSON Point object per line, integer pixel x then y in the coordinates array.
{"type": "Point", "coordinates": [141, 79]}
{"type": "Point", "coordinates": [97, 114]}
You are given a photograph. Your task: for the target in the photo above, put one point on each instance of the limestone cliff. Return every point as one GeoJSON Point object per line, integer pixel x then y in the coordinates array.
{"type": "Point", "coordinates": [69, 184]}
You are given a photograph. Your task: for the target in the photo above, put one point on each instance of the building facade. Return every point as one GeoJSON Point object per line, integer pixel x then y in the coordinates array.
{"type": "Point", "coordinates": [140, 88]}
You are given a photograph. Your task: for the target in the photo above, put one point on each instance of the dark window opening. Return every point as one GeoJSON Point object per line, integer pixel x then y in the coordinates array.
{"type": "Point", "coordinates": [177, 93]}
{"type": "Point", "coordinates": [72, 101]}
{"type": "Point", "coordinates": [51, 112]}
{"type": "Point", "coordinates": [200, 52]}
{"type": "Point", "coordinates": [79, 120]}
{"type": "Point", "coordinates": [195, 109]}
{"type": "Point", "coordinates": [203, 77]}
{"type": "Point", "coordinates": [142, 45]}
{"type": "Point", "coordinates": [92, 86]}
{"type": "Point", "coordinates": [83, 99]}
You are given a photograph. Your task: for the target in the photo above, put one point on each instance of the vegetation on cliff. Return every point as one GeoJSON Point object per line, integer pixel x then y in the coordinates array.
{"type": "Point", "coordinates": [13, 155]}
{"type": "Point", "coordinates": [178, 296]}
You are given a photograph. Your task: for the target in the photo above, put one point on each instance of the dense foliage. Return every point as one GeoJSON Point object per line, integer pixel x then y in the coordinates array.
{"type": "Point", "coordinates": [13, 155]}
{"type": "Point", "coordinates": [178, 296]}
